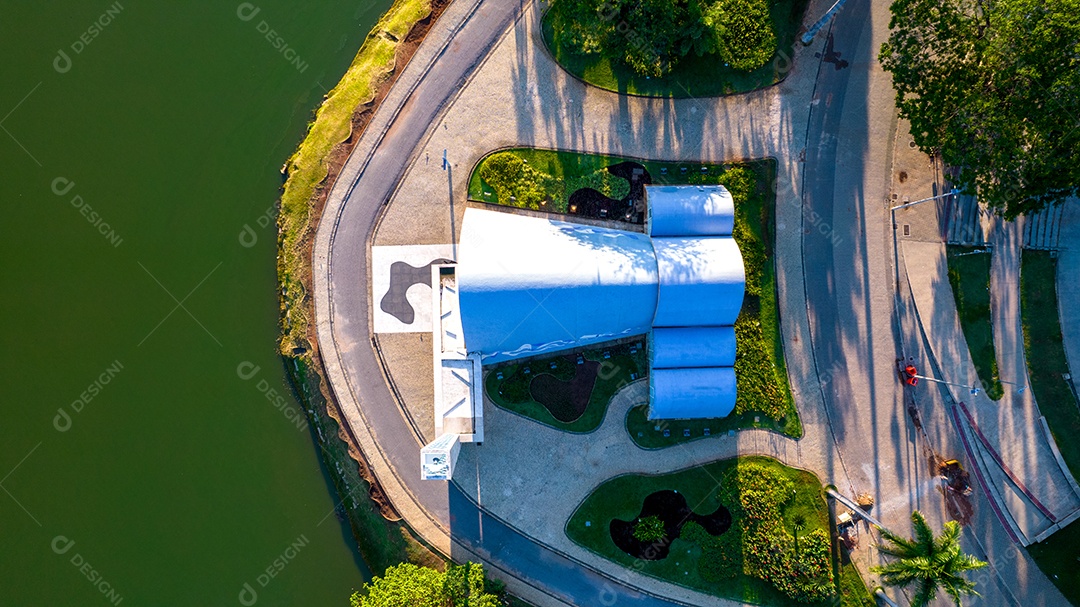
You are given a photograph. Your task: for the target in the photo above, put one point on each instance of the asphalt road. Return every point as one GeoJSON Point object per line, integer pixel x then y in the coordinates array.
{"type": "Point", "coordinates": [851, 293]}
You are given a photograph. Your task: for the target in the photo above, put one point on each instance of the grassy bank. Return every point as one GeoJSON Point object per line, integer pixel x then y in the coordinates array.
{"type": "Point", "coordinates": [756, 559]}
{"type": "Point", "coordinates": [1058, 555]}
{"type": "Point", "coordinates": [693, 76]}
{"type": "Point", "coordinates": [382, 542]}
{"type": "Point", "coordinates": [969, 276]}
{"type": "Point", "coordinates": [309, 166]}
{"type": "Point", "coordinates": [764, 396]}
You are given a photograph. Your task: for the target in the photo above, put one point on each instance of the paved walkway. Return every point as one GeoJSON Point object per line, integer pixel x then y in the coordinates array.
{"type": "Point", "coordinates": [1068, 285]}
{"type": "Point", "coordinates": [1010, 425]}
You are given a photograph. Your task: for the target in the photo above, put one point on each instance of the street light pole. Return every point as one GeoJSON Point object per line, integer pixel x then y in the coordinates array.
{"type": "Point", "coordinates": [952, 192]}
{"type": "Point", "coordinates": [973, 389]}
{"type": "Point", "coordinates": [808, 37]}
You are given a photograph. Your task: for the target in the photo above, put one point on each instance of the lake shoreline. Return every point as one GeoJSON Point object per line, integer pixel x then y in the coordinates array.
{"type": "Point", "coordinates": [382, 537]}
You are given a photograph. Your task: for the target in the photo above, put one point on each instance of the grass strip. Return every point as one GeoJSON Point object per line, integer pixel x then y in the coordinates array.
{"type": "Point", "coordinates": [1057, 555]}
{"type": "Point", "coordinates": [381, 542]}
{"type": "Point", "coordinates": [309, 166]}
{"type": "Point", "coordinates": [693, 76]}
{"type": "Point", "coordinates": [1045, 353]}
{"type": "Point", "coordinates": [969, 276]}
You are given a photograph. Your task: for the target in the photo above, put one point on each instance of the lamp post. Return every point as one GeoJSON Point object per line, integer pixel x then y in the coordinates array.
{"type": "Point", "coordinates": [952, 192]}
{"type": "Point", "coordinates": [972, 389]}
{"type": "Point", "coordinates": [808, 37]}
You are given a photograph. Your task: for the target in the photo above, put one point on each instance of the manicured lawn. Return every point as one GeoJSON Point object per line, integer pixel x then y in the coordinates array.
{"type": "Point", "coordinates": [693, 76]}
{"type": "Point", "coordinates": [763, 389]}
{"type": "Point", "coordinates": [734, 564]}
{"type": "Point", "coordinates": [1046, 355]}
{"type": "Point", "coordinates": [853, 591]}
{"type": "Point", "coordinates": [1059, 555]}
{"type": "Point", "coordinates": [512, 392]}
{"type": "Point", "coordinates": [969, 276]}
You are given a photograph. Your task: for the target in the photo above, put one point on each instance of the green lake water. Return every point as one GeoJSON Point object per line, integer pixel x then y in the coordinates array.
{"type": "Point", "coordinates": [138, 466]}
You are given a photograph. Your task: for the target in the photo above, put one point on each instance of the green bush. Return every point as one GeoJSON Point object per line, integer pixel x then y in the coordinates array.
{"type": "Point", "coordinates": [514, 181]}
{"type": "Point", "coordinates": [757, 388]}
{"type": "Point", "coordinates": [756, 495]}
{"type": "Point", "coordinates": [649, 529]}
{"type": "Point", "coordinates": [602, 181]}
{"type": "Point", "coordinates": [651, 36]}
{"type": "Point", "coordinates": [743, 32]}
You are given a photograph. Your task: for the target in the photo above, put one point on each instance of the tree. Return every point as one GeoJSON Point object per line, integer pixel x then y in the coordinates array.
{"type": "Point", "coordinates": [650, 36]}
{"type": "Point", "coordinates": [930, 563]}
{"type": "Point", "coordinates": [742, 31]}
{"type": "Point", "coordinates": [994, 89]}
{"type": "Point", "coordinates": [649, 529]}
{"type": "Point", "coordinates": [407, 585]}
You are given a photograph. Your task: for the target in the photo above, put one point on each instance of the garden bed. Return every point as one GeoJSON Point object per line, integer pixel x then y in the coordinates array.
{"type": "Point", "coordinates": [671, 510]}
{"type": "Point", "coordinates": [969, 276]}
{"type": "Point", "coordinates": [693, 76]}
{"type": "Point", "coordinates": [775, 551]}
{"type": "Point", "coordinates": [569, 392]}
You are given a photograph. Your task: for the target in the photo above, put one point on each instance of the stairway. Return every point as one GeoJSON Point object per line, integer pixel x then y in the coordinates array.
{"type": "Point", "coordinates": [1042, 229]}
{"type": "Point", "coordinates": [962, 225]}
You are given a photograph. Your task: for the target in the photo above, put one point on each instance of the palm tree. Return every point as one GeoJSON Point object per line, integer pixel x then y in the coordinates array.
{"type": "Point", "coordinates": [930, 563]}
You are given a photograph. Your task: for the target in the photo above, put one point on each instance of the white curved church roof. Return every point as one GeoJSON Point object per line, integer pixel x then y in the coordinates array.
{"type": "Point", "coordinates": [688, 347]}
{"type": "Point", "coordinates": [690, 210]}
{"type": "Point", "coordinates": [691, 393]}
{"type": "Point", "coordinates": [701, 281]}
{"type": "Point", "coordinates": [529, 285]}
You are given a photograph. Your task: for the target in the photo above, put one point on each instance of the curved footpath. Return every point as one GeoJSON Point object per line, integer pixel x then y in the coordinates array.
{"type": "Point", "coordinates": [495, 85]}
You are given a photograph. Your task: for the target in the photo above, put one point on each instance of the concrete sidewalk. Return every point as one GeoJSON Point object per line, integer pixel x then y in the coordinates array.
{"type": "Point", "coordinates": [1011, 425]}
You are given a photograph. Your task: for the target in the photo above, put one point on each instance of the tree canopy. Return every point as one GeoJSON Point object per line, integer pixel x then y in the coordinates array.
{"type": "Point", "coordinates": [930, 564]}
{"type": "Point", "coordinates": [408, 585]}
{"type": "Point", "coordinates": [993, 87]}
{"type": "Point", "coordinates": [650, 36]}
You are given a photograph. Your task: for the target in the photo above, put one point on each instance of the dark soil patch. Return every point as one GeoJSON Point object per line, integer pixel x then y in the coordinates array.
{"type": "Point", "coordinates": [670, 507]}
{"type": "Point", "coordinates": [566, 400]}
{"type": "Point", "coordinates": [639, 177]}
{"type": "Point", "coordinates": [588, 202]}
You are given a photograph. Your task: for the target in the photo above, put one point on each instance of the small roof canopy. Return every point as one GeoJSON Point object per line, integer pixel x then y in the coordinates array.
{"type": "Point", "coordinates": [690, 210]}
{"type": "Point", "coordinates": [691, 393]}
